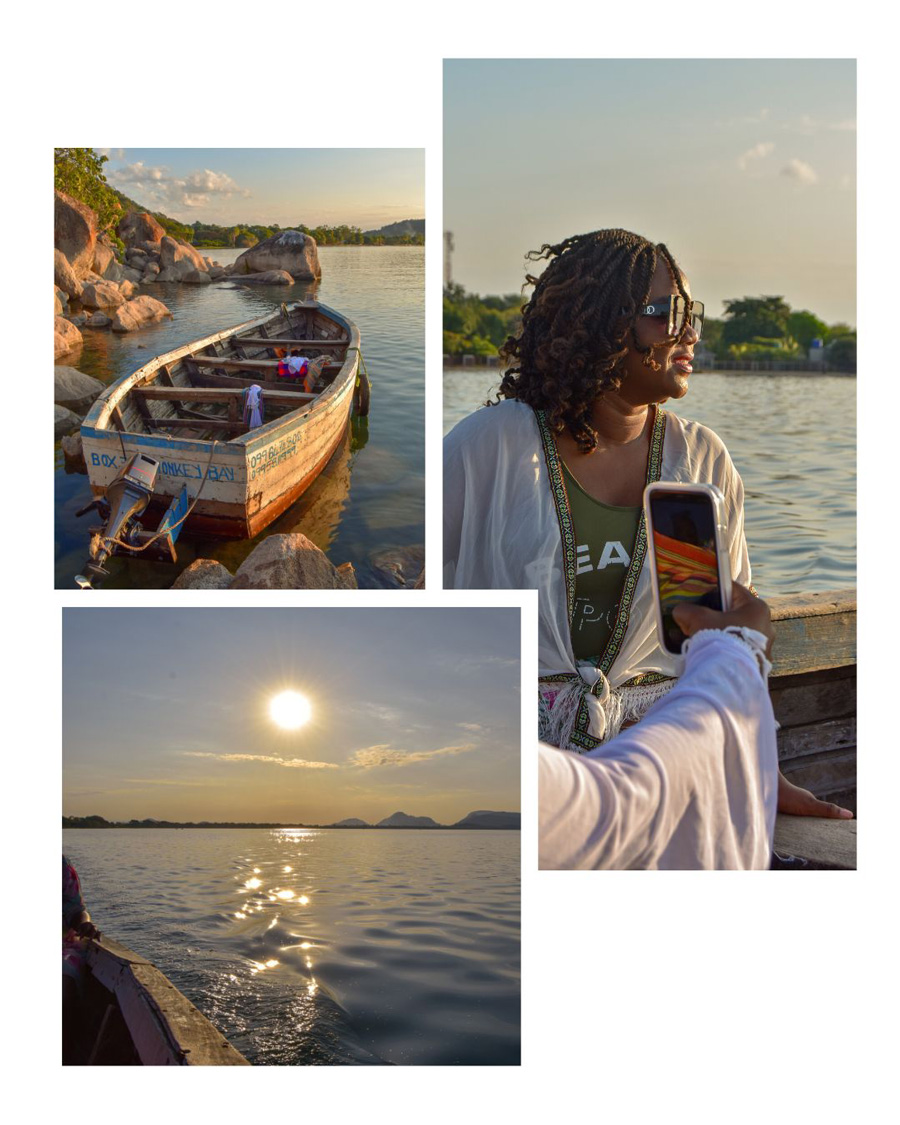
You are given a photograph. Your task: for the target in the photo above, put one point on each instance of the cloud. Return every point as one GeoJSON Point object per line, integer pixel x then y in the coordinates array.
{"type": "Point", "coordinates": [808, 126]}
{"type": "Point", "coordinates": [800, 171]}
{"type": "Point", "coordinates": [470, 726]}
{"type": "Point", "coordinates": [167, 781]}
{"type": "Point", "coordinates": [385, 755]}
{"type": "Point", "coordinates": [138, 173]}
{"type": "Point", "coordinates": [158, 186]}
{"type": "Point", "coordinates": [746, 159]}
{"type": "Point", "coordinates": [289, 763]}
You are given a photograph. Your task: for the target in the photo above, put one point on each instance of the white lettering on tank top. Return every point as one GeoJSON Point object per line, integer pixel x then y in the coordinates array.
{"type": "Point", "coordinates": [614, 554]}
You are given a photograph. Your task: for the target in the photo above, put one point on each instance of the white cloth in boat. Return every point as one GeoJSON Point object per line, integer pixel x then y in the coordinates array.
{"type": "Point", "coordinates": [694, 785]}
{"type": "Point", "coordinates": [502, 531]}
{"type": "Point", "coordinates": [253, 406]}
{"type": "Point", "coordinates": [296, 363]}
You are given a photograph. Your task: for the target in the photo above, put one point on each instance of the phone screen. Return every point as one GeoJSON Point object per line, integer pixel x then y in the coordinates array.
{"type": "Point", "coordinates": [684, 542]}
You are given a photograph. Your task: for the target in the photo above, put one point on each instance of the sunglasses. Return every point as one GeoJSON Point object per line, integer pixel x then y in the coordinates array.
{"type": "Point", "coordinates": [673, 313]}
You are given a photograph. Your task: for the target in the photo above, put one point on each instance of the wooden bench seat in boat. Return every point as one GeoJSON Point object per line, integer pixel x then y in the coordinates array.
{"type": "Point", "coordinates": [218, 394]}
{"type": "Point", "coordinates": [813, 690]}
{"type": "Point", "coordinates": [286, 341]}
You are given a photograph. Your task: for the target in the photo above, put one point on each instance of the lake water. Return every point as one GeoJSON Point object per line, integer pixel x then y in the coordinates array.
{"type": "Point", "coordinates": [308, 946]}
{"type": "Point", "coordinates": [371, 496]}
{"type": "Point", "coordinates": [793, 440]}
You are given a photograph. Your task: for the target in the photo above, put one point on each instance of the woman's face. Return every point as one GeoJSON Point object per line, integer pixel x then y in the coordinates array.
{"type": "Point", "coordinates": [641, 384]}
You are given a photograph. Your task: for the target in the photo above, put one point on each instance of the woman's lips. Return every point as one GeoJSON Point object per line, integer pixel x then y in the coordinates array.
{"type": "Point", "coordinates": [683, 364]}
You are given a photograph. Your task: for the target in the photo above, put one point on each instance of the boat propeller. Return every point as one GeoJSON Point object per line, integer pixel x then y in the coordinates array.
{"type": "Point", "coordinates": [126, 499]}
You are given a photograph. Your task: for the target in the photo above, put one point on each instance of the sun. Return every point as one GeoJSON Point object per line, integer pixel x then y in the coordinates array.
{"type": "Point", "coordinates": [290, 710]}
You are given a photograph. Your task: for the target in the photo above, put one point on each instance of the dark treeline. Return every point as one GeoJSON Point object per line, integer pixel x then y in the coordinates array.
{"type": "Point", "coordinates": [753, 328]}
{"type": "Point", "coordinates": [101, 822]}
{"type": "Point", "coordinates": [208, 235]}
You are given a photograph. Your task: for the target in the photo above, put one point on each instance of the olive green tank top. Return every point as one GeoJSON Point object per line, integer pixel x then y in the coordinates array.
{"type": "Point", "coordinates": [604, 540]}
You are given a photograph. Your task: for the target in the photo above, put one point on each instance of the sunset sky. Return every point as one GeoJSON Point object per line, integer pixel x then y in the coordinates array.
{"type": "Point", "coordinates": [367, 188]}
{"type": "Point", "coordinates": [745, 168]}
{"type": "Point", "coordinates": [165, 713]}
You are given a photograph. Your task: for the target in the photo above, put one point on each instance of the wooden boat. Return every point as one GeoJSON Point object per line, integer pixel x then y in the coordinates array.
{"type": "Point", "coordinates": [813, 692]}
{"type": "Point", "coordinates": [132, 1015]}
{"type": "Point", "coordinates": [238, 479]}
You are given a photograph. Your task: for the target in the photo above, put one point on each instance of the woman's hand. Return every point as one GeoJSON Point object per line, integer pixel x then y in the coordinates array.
{"type": "Point", "coordinates": [754, 614]}
{"type": "Point", "coordinates": [87, 929]}
{"type": "Point", "coordinates": [800, 802]}
{"type": "Point", "coordinates": [746, 611]}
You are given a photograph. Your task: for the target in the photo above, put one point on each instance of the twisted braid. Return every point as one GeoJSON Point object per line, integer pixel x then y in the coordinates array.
{"type": "Point", "coordinates": [579, 324]}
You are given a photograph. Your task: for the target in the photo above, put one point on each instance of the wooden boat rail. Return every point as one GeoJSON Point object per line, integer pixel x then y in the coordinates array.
{"type": "Point", "coordinates": [813, 691]}
{"type": "Point", "coordinates": [166, 1028]}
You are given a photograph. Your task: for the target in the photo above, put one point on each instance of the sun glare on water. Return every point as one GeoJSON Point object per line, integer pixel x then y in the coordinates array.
{"type": "Point", "coordinates": [290, 710]}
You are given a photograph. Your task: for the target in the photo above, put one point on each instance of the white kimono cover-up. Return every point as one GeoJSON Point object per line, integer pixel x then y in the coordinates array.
{"type": "Point", "coordinates": [507, 526]}
{"type": "Point", "coordinates": [694, 785]}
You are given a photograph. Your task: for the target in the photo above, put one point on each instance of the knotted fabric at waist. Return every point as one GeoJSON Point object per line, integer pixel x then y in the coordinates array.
{"type": "Point", "coordinates": [581, 710]}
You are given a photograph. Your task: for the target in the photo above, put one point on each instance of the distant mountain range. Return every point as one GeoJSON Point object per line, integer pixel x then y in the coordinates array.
{"type": "Point", "coordinates": [483, 818]}
{"type": "Point", "coordinates": [405, 226]}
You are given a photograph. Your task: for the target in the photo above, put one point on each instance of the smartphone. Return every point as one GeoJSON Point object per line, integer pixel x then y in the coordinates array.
{"type": "Point", "coordinates": [689, 560]}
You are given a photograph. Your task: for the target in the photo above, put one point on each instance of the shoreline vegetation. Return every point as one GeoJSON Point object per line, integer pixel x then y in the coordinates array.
{"type": "Point", "coordinates": [755, 334]}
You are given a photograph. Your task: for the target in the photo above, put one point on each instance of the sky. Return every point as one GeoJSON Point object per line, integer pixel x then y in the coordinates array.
{"type": "Point", "coordinates": [366, 188]}
{"type": "Point", "coordinates": [165, 713]}
{"type": "Point", "coordinates": [745, 169]}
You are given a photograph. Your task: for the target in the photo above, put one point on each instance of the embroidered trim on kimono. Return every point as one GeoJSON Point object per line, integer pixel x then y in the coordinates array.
{"type": "Point", "coordinates": [580, 738]}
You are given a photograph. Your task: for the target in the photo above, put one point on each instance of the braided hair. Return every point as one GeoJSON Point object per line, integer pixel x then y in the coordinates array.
{"type": "Point", "coordinates": [578, 326]}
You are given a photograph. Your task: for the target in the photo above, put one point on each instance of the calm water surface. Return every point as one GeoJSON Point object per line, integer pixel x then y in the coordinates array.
{"type": "Point", "coordinates": [371, 496]}
{"type": "Point", "coordinates": [307, 946]}
{"type": "Point", "coordinates": [793, 440]}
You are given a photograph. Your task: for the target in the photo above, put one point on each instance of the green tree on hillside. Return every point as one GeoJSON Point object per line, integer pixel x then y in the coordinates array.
{"type": "Point", "coordinates": [79, 173]}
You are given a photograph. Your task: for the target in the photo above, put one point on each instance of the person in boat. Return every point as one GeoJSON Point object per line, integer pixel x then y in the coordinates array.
{"type": "Point", "coordinates": [694, 784]}
{"type": "Point", "coordinates": [544, 489]}
{"type": "Point", "coordinates": [76, 925]}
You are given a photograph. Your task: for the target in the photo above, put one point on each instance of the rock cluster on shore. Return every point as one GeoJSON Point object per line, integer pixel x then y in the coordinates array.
{"type": "Point", "coordinates": [280, 562]}
{"type": "Point", "coordinates": [95, 288]}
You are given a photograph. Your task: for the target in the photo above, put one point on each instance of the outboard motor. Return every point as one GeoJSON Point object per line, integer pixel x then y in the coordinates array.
{"type": "Point", "coordinates": [126, 499]}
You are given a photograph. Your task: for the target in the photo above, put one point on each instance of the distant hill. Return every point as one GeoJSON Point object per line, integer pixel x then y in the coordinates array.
{"type": "Point", "coordinates": [405, 226]}
{"type": "Point", "coordinates": [403, 820]}
{"type": "Point", "coordinates": [351, 822]}
{"type": "Point", "coordinates": [487, 819]}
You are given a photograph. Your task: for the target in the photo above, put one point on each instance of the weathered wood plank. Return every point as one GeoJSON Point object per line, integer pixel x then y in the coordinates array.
{"type": "Point", "coordinates": [816, 738]}
{"type": "Point", "coordinates": [826, 843]}
{"type": "Point", "coordinates": [814, 696]}
{"type": "Point", "coordinates": [277, 342]}
{"type": "Point", "coordinates": [825, 603]}
{"type": "Point", "coordinates": [823, 773]}
{"type": "Point", "coordinates": [217, 394]}
{"type": "Point", "coordinates": [195, 423]}
{"type": "Point", "coordinates": [219, 362]}
{"type": "Point", "coordinates": [822, 636]}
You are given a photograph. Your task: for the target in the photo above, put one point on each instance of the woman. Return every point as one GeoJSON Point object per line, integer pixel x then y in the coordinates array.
{"type": "Point", "coordinates": [544, 489]}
